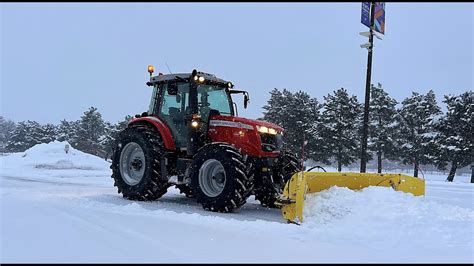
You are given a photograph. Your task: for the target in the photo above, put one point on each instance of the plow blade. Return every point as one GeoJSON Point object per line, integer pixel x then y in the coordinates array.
{"type": "Point", "coordinates": [301, 183]}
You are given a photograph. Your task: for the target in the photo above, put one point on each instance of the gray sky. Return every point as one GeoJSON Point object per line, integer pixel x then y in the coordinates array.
{"type": "Point", "coordinates": [57, 60]}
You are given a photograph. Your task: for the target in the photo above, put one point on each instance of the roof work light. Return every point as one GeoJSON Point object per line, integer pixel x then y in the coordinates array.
{"type": "Point", "coordinates": [151, 69]}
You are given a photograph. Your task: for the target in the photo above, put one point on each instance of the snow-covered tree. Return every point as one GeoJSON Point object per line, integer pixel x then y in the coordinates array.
{"type": "Point", "coordinates": [107, 139]}
{"type": "Point", "coordinates": [382, 125]}
{"type": "Point", "coordinates": [455, 136]}
{"type": "Point", "coordinates": [111, 134]}
{"type": "Point", "coordinates": [296, 113]}
{"type": "Point", "coordinates": [340, 127]}
{"type": "Point", "coordinates": [48, 133]}
{"type": "Point", "coordinates": [416, 133]}
{"type": "Point", "coordinates": [275, 107]}
{"type": "Point", "coordinates": [90, 132]}
{"type": "Point", "coordinates": [67, 131]}
{"type": "Point", "coordinates": [7, 127]}
{"type": "Point", "coordinates": [26, 135]}
{"type": "Point", "coordinates": [123, 124]}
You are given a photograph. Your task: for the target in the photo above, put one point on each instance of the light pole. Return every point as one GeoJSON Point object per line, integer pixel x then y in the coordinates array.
{"type": "Point", "coordinates": [365, 128]}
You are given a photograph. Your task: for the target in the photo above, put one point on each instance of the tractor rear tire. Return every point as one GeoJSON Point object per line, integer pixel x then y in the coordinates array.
{"type": "Point", "coordinates": [269, 187]}
{"type": "Point", "coordinates": [136, 167]}
{"type": "Point", "coordinates": [219, 178]}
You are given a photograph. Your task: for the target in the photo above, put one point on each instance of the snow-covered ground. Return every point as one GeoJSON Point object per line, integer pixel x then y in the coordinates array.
{"type": "Point", "coordinates": [58, 207]}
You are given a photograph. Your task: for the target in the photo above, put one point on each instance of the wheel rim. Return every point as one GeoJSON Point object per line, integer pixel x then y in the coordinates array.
{"type": "Point", "coordinates": [132, 163]}
{"type": "Point", "coordinates": [212, 178]}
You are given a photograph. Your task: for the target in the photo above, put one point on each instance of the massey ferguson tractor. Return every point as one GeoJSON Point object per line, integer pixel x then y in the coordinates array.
{"type": "Point", "coordinates": [192, 138]}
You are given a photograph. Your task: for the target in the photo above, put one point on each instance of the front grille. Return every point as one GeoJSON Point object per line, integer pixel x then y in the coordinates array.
{"type": "Point", "coordinates": [271, 142]}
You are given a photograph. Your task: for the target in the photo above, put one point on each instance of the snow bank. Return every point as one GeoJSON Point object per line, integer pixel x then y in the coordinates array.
{"type": "Point", "coordinates": [389, 218]}
{"type": "Point", "coordinates": [53, 156]}
{"type": "Point", "coordinates": [47, 162]}
{"type": "Point", "coordinates": [337, 205]}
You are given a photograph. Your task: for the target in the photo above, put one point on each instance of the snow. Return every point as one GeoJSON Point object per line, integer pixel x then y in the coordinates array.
{"type": "Point", "coordinates": [67, 210]}
{"type": "Point", "coordinates": [429, 134]}
{"type": "Point", "coordinates": [53, 156]}
{"type": "Point", "coordinates": [380, 217]}
{"type": "Point", "coordinates": [407, 146]}
{"type": "Point", "coordinates": [50, 162]}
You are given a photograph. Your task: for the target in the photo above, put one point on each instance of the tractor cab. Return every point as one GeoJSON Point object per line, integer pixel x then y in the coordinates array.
{"type": "Point", "coordinates": [185, 102]}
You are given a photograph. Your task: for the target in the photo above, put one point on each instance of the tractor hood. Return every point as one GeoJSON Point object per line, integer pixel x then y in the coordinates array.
{"type": "Point", "coordinates": [255, 138]}
{"type": "Point", "coordinates": [244, 122]}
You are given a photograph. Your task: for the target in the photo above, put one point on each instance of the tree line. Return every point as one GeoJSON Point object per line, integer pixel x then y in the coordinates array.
{"type": "Point", "coordinates": [415, 132]}
{"type": "Point", "coordinates": [90, 134]}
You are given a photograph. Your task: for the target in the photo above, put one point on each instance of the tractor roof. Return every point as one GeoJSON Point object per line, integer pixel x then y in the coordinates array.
{"type": "Point", "coordinates": [168, 77]}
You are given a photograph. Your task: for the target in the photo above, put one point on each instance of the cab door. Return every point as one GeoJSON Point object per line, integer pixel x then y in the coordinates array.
{"type": "Point", "coordinates": [173, 110]}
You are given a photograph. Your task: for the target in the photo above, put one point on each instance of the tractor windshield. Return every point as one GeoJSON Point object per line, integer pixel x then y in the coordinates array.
{"type": "Point", "coordinates": [213, 97]}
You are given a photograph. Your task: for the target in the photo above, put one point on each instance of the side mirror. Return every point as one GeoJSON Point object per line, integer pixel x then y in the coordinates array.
{"type": "Point", "coordinates": [246, 100]}
{"type": "Point", "coordinates": [178, 98]}
{"type": "Point", "coordinates": [172, 89]}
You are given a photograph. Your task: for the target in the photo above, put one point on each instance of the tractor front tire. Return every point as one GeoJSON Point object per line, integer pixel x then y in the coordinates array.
{"type": "Point", "coordinates": [270, 186]}
{"type": "Point", "coordinates": [136, 166]}
{"type": "Point", "coordinates": [218, 178]}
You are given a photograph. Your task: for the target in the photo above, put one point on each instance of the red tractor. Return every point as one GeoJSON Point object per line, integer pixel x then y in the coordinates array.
{"type": "Point", "coordinates": [191, 138]}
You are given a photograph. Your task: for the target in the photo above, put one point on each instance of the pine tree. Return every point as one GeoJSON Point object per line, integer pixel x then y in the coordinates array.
{"type": "Point", "coordinates": [112, 132]}
{"type": "Point", "coordinates": [122, 124]}
{"type": "Point", "coordinates": [382, 125]}
{"type": "Point", "coordinates": [48, 133]}
{"type": "Point", "coordinates": [416, 133]}
{"type": "Point", "coordinates": [275, 108]}
{"type": "Point", "coordinates": [456, 133]}
{"type": "Point", "coordinates": [67, 131]}
{"type": "Point", "coordinates": [296, 113]}
{"type": "Point", "coordinates": [7, 127]}
{"type": "Point", "coordinates": [26, 135]}
{"type": "Point", "coordinates": [340, 126]}
{"type": "Point", "coordinates": [90, 132]}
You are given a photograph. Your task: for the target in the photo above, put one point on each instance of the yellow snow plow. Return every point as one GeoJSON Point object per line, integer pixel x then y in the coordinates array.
{"type": "Point", "coordinates": [301, 183]}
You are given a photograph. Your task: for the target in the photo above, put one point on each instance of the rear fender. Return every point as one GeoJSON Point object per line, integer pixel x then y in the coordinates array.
{"type": "Point", "coordinates": [162, 128]}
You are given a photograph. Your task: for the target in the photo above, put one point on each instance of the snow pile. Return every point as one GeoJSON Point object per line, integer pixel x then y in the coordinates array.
{"type": "Point", "coordinates": [47, 162]}
{"type": "Point", "coordinates": [53, 156]}
{"type": "Point", "coordinates": [337, 205]}
{"type": "Point", "coordinates": [390, 218]}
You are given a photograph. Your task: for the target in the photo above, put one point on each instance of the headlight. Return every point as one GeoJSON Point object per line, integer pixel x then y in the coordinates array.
{"type": "Point", "coordinates": [199, 78]}
{"type": "Point", "coordinates": [266, 130]}
{"type": "Point", "coordinates": [262, 129]}
{"type": "Point", "coordinates": [272, 131]}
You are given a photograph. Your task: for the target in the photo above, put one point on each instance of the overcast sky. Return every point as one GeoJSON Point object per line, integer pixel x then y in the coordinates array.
{"type": "Point", "coordinates": [57, 60]}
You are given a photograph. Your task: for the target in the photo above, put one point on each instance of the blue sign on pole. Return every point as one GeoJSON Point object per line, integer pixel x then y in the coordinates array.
{"type": "Point", "coordinates": [365, 14]}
